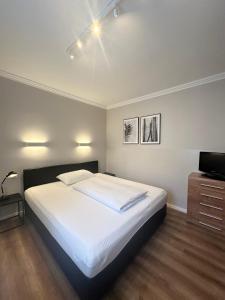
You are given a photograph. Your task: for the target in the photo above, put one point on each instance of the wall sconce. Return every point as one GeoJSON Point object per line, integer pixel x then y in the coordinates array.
{"type": "Point", "coordinates": [35, 150]}
{"type": "Point", "coordinates": [84, 144]}
{"type": "Point", "coordinates": [33, 144]}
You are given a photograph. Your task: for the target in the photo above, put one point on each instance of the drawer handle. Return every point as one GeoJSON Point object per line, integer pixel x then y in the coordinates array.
{"type": "Point", "coordinates": [210, 216]}
{"type": "Point", "coordinates": [212, 186]}
{"type": "Point", "coordinates": [210, 196]}
{"type": "Point", "coordinates": [211, 206]}
{"type": "Point", "coordinates": [210, 226]}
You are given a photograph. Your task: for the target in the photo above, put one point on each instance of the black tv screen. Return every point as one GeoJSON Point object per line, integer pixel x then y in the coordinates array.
{"type": "Point", "coordinates": [212, 163]}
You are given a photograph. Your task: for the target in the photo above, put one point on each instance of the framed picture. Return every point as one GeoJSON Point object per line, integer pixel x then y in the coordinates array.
{"type": "Point", "coordinates": [131, 131]}
{"type": "Point", "coordinates": [151, 129]}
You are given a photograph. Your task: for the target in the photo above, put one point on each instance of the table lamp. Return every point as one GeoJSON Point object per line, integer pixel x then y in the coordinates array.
{"type": "Point", "coordinates": [11, 174]}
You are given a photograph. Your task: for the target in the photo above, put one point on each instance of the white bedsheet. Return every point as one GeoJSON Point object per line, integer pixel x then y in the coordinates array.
{"type": "Point", "coordinates": [89, 232]}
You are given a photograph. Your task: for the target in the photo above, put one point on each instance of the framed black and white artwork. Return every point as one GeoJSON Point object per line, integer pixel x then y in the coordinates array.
{"type": "Point", "coordinates": [131, 131]}
{"type": "Point", "coordinates": [151, 129]}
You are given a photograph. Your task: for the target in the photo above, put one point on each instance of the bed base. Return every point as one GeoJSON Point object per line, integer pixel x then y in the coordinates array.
{"type": "Point", "coordinates": [94, 288]}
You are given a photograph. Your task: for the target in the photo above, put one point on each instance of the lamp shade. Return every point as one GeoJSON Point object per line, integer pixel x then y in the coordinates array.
{"type": "Point", "coordinates": [11, 174]}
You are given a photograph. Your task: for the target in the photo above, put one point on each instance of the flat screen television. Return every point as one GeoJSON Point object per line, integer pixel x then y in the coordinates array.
{"type": "Point", "coordinates": [212, 164]}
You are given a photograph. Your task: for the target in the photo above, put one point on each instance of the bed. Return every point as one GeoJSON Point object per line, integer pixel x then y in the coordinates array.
{"type": "Point", "coordinates": [91, 242]}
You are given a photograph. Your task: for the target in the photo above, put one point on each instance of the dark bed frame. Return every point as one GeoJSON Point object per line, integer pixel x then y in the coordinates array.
{"type": "Point", "coordinates": [87, 288]}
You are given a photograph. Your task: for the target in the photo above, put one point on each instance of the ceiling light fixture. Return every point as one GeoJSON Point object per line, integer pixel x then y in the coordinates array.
{"type": "Point", "coordinates": [79, 44]}
{"type": "Point", "coordinates": [95, 27]}
{"type": "Point", "coordinates": [116, 12]}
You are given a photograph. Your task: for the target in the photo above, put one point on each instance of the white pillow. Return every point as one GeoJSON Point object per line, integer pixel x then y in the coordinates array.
{"type": "Point", "coordinates": [74, 176]}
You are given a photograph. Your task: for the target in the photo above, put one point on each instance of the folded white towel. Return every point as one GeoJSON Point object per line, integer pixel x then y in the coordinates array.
{"type": "Point", "coordinates": [119, 197]}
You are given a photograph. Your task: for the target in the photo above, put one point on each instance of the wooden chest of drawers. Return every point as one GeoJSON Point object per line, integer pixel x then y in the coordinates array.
{"type": "Point", "coordinates": [206, 202]}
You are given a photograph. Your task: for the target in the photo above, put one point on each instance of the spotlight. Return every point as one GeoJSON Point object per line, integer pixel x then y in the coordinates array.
{"type": "Point", "coordinates": [71, 56]}
{"type": "Point", "coordinates": [96, 28]}
{"type": "Point", "coordinates": [116, 12]}
{"type": "Point", "coordinates": [79, 44]}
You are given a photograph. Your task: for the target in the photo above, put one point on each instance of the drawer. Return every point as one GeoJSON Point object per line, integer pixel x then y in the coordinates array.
{"type": "Point", "coordinates": [210, 227]}
{"type": "Point", "coordinates": [212, 200]}
{"type": "Point", "coordinates": [211, 212]}
{"type": "Point", "coordinates": [210, 223]}
{"type": "Point", "coordinates": [213, 188]}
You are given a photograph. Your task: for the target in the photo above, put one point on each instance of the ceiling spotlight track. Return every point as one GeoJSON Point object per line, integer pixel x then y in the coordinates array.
{"type": "Point", "coordinates": [116, 12]}
{"type": "Point", "coordinates": [94, 27]}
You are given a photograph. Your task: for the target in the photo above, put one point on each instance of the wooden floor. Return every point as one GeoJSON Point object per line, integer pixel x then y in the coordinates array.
{"type": "Point", "coordinates": [181, 262]}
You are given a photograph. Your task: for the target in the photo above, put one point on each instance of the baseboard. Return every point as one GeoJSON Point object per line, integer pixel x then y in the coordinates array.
{"type": "Point", "coordinates": [9, 216]}
{"type": "Point", "coordinates": [178, 208]}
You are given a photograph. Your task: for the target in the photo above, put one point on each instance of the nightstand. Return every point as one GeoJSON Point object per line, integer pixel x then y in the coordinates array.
{"type": "Point", "coordinates": [110, 174]}
{"type": "Point", "coordinates": [16, 220]}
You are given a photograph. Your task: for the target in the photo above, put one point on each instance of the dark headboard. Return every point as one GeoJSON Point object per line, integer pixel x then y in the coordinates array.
{"type": "Point", "coordinates": [33, 177]}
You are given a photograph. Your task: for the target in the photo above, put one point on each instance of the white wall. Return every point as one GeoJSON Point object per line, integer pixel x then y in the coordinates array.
{"type": "Point", "coordinates": [192, 120]}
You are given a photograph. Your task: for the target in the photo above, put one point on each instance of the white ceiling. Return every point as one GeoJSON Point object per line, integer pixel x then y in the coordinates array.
{"type": "Point", "coordinates": [153, 45]}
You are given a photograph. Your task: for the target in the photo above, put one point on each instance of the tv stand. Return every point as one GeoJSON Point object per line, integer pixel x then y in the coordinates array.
{"type": "Point", "coordinates": [206, 202]}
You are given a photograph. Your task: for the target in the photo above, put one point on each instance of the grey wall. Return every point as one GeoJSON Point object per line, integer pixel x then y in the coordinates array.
{"type": "Point", "coordinates": [192, 120]}
{"type": "Point", "coordinates": [29, 114]}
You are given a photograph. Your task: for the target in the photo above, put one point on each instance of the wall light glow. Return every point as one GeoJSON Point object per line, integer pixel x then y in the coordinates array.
{"type": "Point", "coordinates": [35, 144]}
{"type": "Point", "coordinates": [34, 137]}
{"type": "Point", "coordinates": [83, 145]}
{"type": "Point", "coordinates": [35, 152]}
{"type": "Point", "coordinates": [83, 151]}
{"type": "Point", "coordinates": [83, 138]}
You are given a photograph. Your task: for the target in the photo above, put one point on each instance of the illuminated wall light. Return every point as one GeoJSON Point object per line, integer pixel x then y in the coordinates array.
{"type": "Point", "coordinates": [34, 136]}
{"type": "Point", "coordinates": [96, 28]}
{"type": "Point", "coordinates": [83, 137]}
{"type": "Point", "coordinates": [35, 150]}
{"type": "Point", "coordinates": [71, 56]}
{"type": "Point", "coordinates": [84, 144]}
{"type": "Point", "coordinates": [35, 144]}
{"type": "Point", "coordinates": [83, 149]}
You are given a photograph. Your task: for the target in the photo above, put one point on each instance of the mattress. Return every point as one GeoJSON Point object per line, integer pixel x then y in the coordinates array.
{"type": "Point", "coordinates": [90, 233]}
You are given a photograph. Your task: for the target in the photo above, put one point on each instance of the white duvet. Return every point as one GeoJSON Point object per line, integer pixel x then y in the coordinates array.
{"type": "Point", "coordinates": [88, 231]}
{"type": "Point", "coordinates": [119, 197]}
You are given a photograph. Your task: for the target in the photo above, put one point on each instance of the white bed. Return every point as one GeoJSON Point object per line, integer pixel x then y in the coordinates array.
{"type": "Point", "coordinates": [88, 231]}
